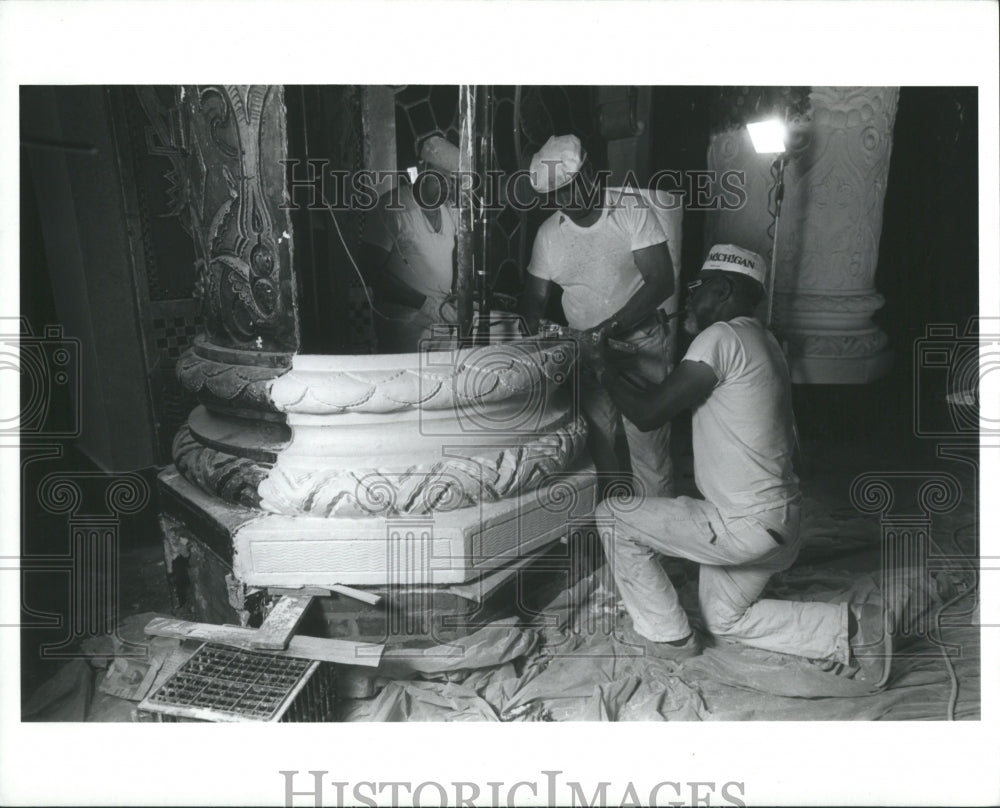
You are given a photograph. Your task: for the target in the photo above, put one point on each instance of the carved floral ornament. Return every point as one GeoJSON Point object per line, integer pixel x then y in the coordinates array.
{"type": "Point", "coordinates": [445, 484]}
{"type": "Point", "coordinates": [234, 184]}
{"type": "Point", "coordinates": [419, 488]}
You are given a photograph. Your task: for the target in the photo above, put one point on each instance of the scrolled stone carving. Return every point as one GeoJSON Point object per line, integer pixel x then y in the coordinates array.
{"type": "Point", "coordinates": [437, 485]}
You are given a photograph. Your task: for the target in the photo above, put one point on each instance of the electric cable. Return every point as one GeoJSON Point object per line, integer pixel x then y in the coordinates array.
{"type": "Point", "coordinates": [364, 285]}
{"type": "Point", "coordinates": [952, 674]}
{"type": "Point", "coordinates": [772, 208]}
{"type": "Point", "coordinates": [361, 277]}
{"type": "Point", "coordinates": [953, 696]}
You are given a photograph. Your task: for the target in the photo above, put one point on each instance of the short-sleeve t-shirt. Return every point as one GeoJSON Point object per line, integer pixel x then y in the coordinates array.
{"type": "Point", "coordinates": [594, 265]}
{"type": "Point", "coordinates": [418, 255]}
{"type": "Point", "coordinates": [743, 433]}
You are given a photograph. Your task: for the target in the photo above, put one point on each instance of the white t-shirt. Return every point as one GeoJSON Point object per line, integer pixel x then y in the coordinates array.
{"type": "Point", "coordinates": [594, 265]}
{"type": "Point", "coordinates": [418, 255]}
{"type": "Point", "coordinates": [743, 433]}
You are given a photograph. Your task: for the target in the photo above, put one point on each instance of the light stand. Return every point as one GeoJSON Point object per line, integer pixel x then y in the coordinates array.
{"type": "Point", "coordinates": [769, 137]}
{"type": "Point", "coordinates": [779, 193]}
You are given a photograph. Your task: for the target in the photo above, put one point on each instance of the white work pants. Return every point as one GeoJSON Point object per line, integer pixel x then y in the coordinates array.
{"type": "Point", "coordinates": [649, 451]}
{"type": "Point", "coordinates": [737, 557]}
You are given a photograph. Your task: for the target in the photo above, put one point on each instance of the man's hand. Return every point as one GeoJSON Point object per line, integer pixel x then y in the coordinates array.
{"type": "Point", "coordinates": [593, 345]}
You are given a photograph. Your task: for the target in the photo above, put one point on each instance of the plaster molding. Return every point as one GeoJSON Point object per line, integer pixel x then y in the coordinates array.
{"type": "Point", "coordinates": [866, 302]}
{"type": "Point", "coordinates": [227, 385]}
{"type": "Point", "coordinates": [865, 344]}
{"type": "Point", "coordinates": [432, 486]}
{"type": "Point", "coordinates": [436, 380]}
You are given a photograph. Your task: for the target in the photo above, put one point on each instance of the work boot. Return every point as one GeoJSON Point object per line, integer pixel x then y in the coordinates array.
{"type": "Point", "coordinates": [671, 652]}
{"type": "Point", "coordinates": [871, 644]}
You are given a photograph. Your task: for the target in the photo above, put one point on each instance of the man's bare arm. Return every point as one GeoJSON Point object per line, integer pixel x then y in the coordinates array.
{"type": "Point", "coordinates": [689, 385]}
{"type": "Point", "coordinates": [657, 272]}
{"type": "Point", "coordinates": [533, 300]}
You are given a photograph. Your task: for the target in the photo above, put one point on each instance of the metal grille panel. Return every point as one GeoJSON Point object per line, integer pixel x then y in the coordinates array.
{"type": "Point", "coordinates": [220, 683]}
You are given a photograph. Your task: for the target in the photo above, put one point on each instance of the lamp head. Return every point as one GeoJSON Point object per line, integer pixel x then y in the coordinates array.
{"type": "Point", "coordinates": [768, 137]}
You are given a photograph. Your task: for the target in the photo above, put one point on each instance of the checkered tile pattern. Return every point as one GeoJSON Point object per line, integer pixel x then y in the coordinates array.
{"type": "Point", "coordinates": [174, 335]}
{"type": "Point", "coordinates": [359, 316]}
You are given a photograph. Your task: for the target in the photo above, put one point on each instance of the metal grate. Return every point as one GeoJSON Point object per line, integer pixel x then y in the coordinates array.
{"type": "Point", "coordinates": [228, 684]}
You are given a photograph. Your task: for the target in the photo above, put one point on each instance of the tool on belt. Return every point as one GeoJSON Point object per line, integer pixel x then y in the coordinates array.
{"type": "Point", "coordinates": [556, 331]}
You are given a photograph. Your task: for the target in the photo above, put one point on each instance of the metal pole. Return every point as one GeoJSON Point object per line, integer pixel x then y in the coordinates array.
{"type": "Point", "coordinates": [465, 246]}
{"type": "Point", "coordinates": [778, 195]}
{"type": "Point", "coordinates": [485, 163]}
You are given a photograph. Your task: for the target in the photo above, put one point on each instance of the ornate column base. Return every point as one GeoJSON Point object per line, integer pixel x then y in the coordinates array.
{"type": "Point", "coordinates": [830, 358]}
{"type": "Point", "coordinates": [829, 338]}
{"type": "Point", "coordinates": [455, 547]}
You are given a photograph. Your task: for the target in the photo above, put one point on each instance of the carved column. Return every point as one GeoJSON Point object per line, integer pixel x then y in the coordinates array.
{"type": "Point", "coordinates": [234, 181]}
{"type": "Point", "coordinates": [233, 199]}
{"type": "Point", "coordinates": [311, 469]}
{"type": "Point", "coordinates": [829, 232]}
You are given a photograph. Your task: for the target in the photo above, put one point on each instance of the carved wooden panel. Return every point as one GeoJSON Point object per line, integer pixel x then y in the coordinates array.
{"type": "Point", "coordinates": [233, 185]}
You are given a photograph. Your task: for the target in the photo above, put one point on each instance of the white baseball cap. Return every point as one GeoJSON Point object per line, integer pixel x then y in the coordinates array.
{"type": "Point", "coordinates": [440, 153]}
{"type": "Point", "coordinates": [556, 163]}
{"type": "Point", "coordinates": [730, 258]}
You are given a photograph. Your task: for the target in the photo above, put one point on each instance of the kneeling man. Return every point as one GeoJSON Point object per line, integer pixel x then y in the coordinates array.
{"type": "Point", "coordinates": [735, 380]}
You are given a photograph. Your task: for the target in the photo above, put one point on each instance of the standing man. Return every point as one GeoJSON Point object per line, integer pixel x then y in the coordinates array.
{"type": "Point", "coordinates": [408, 252]}
{"type": "Point", "coordinates": [607, 251]}
{"type": "Point", "coordinates": [735, 379]}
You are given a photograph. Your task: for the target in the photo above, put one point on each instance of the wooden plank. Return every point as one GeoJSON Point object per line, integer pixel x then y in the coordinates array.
{"type": "Point", "coordinates": [370, 598]}
{"type": "Point", "coordinates": [358, 594]}
{"type": "Point", "coordinates": [315, 591]}
{"type": "Point", "coordinates": [342, 652]}
{"type": "Point", "coordinates": [279, 626]}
